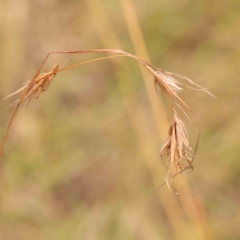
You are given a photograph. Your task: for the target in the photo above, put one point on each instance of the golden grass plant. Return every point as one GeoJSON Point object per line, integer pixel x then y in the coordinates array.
{"type": "Point", "coordinates": [176, 147]}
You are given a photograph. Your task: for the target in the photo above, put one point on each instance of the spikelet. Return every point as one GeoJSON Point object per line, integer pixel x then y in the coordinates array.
{"type": "Point", "coordinates": [177, 148]}
{"type": "Point", "coordinates": [33, 90]}
{"type": "Point", "coordinates": [170, 81]}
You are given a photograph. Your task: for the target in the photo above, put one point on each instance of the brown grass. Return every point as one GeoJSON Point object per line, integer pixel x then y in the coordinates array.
{"type": "Point", "coordinates": [176, 148]}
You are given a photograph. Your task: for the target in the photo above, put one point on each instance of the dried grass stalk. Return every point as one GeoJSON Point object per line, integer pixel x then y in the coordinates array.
{"type": "Point", "coordinates": [176, 148]}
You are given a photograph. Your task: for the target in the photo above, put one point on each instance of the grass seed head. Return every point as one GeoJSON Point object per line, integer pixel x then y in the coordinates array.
{"type": "Point", "coordinates": [177, 148]}
{"type": "Point", "coordinates": [33, 89]}
{"type": "Point", "coordinates": [172, 82]}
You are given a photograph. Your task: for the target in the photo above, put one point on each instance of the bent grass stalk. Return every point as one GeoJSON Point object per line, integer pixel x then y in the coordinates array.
{"type": "Point", "coordinates": [176, 147]}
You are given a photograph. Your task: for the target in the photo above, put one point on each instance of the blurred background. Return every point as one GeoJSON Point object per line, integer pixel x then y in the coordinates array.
{"type": "Point", "coordinates": [83, 161]}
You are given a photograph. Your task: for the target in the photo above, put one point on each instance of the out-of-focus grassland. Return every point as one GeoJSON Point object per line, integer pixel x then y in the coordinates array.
{"type": "Point", "coordinates": [83, 161]}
